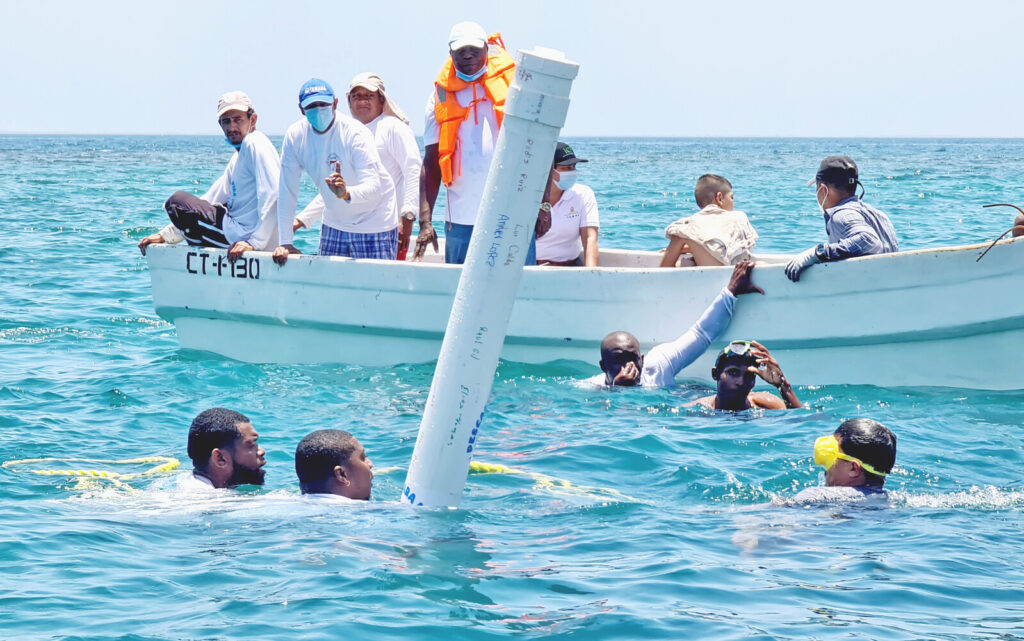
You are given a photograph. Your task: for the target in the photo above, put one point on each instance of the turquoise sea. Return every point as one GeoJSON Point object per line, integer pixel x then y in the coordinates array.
{"type": "Point", "coordinates": [634, 518]}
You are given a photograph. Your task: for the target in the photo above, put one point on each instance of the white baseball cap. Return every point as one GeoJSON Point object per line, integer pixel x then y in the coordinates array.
{"type": "Point", "coordinates": [233, 100]}
{"type": "Point", "coordinates": [373, 82]}
{"type": "Point", "coordinates": [467, 34]}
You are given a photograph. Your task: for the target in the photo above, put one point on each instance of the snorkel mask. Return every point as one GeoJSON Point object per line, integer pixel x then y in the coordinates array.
{"type": "Point", "coordinates": [738, 348]}
{"type": "Point", "coordinates": [826, 451]}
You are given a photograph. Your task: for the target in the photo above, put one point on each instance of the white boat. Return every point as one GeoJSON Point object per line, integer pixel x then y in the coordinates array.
{"type": "Point", "coordinates": [917, 318]}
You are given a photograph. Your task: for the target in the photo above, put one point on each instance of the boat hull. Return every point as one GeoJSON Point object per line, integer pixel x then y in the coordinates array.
{"type": "Point", "coordinates": [919, 318]}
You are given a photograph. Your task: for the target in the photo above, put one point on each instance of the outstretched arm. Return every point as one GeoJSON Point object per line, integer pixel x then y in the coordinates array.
{"type": "Point", "coordinates": [668, 359]}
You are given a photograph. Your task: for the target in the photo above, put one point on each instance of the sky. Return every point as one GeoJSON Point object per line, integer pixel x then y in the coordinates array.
{"type": "Point", "coordinates": [714, 68]}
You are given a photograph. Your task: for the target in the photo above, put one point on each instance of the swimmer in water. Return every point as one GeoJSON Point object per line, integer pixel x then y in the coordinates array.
{"type": "Point", "coordinates": [622, 363]}
{"type": "Point", "coordinates": [856, 458]}
{"type": "Point", "coordinates": [224, 449]}
{"type": "Point", "coordinates": [734, 372]}
{"type": "Point", "coordinates": [333, 462]}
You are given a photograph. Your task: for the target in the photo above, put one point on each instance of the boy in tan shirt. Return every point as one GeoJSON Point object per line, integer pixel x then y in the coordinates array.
{"type": "Point", "coordinates": [717, 234]}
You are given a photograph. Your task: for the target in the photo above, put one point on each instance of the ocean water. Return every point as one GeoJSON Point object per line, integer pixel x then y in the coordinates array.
{"type": "Point", "coordinates": [632, 517]}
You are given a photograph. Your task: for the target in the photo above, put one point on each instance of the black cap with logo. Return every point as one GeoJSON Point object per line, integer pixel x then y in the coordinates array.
{"type": "Point", "coordinates": [564, 155]}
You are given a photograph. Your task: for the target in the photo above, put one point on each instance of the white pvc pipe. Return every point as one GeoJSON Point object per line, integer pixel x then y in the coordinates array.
{"type": "Point", "coordinates": [535, 110]}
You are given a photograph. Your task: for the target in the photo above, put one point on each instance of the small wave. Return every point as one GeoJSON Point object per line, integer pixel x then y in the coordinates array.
{"type": "Point", "coordinates": [32, 335]}
{"type": "Point", "coordinates": [975, 498]}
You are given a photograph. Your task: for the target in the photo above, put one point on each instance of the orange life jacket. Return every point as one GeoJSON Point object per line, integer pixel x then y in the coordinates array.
{"type": "Point", "coordinates": [450, 114]}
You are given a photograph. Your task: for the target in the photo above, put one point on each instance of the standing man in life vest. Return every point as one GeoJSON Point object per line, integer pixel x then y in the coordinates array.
{"type": "Point", "coordinates": [463, 116]}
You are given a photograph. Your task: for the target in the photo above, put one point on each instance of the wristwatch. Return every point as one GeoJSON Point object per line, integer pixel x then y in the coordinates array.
{"type": "Point", "coordinates": [409, 216]}
{"type": "Point", "coordinates": [545, 207]}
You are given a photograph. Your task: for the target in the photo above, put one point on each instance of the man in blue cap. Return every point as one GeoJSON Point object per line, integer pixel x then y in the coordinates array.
{"type": "Point", "coordinates": [854, 228]}
{"type": "Point", "coordinates": [339, 155]}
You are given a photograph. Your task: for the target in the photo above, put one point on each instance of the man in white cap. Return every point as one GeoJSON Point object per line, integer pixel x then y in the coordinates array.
{"type": "Point", "coordinates": [369, 104]}
{"type": "Point", "coordinates": [360, 218]}
{"type": "Point", "coordinates": [239, 212]}
{"type": "Point", "coordinates": [462, 120]}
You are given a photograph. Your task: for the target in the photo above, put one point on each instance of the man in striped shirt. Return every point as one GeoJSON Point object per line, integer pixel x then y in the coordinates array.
{"type": "Point", "coordinates": [854, 228]}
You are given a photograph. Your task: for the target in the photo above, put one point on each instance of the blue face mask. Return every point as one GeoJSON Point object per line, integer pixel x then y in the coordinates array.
{"type": "Point", "coordinates": [565, 179]}
{"type": "Point", "coordinates": [320, 117]}
{"type": "Point", "coordinates": [228, 140]}
{"type": "Point", "coordinates": [468, 78]}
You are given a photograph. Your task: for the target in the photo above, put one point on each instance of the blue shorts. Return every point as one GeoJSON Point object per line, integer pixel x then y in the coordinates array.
{"type": "Point", "coordinates": [456, 244]}
{"type": "Point", "coordinates": [382, 245]}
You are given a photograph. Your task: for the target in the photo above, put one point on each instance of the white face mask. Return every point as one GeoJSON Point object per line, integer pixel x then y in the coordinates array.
{"type": "Point", "coordinates": [821, 202]}
{"type": "Point", "coordinates": [565, 179]}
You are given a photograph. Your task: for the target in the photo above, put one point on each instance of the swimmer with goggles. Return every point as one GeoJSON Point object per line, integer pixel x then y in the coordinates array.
{"type": "Point", "coordinates": [826, 453]}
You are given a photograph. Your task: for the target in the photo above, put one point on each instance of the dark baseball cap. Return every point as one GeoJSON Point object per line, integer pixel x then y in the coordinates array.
{"type": "Point", "coordinates": [564, 155]}
{"type": "Point", "coordinates": [837, 170]}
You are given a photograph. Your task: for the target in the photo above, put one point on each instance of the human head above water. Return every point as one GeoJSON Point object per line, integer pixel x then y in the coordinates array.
{"type": "Point", "coordinates": [333, 462]}
{"type": "Point", "coordinates": [713, 189]}
{"type": "Point", "coordinates": [733, 377]}
{"type": "Point", "coordinates": [223, 446]}
{"type": "Point", "coordinates": [619, 349]}
{"type": "Point", "coordinates": [869, 442]}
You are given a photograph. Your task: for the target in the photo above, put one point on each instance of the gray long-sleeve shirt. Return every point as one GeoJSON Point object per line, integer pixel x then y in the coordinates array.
{"type": "Point", "coordinates": [856, 229]}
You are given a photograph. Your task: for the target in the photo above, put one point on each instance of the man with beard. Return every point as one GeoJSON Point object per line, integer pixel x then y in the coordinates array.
{"type": "Point", "coordinates": [224, 449]}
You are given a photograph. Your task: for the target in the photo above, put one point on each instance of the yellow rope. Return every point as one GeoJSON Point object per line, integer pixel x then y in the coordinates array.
{"type": "Point", "coordinates": [164, 464]}
{"type": "Point", "coordinates": [552, 484]}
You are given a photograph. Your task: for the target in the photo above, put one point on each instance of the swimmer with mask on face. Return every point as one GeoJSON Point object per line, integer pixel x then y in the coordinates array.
{"type": "Point", "coordinates": [857, 458]}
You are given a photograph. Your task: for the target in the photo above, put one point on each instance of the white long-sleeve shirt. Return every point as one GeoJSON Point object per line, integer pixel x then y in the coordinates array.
{"type": "Point", "coordinates": [665, 360]}
{"type": "Point", "coordinates": [248, 188]}
{"type": "Point", "coordinates": [371, 207]}
{"type": "Point", "coordinates": [400, 155]}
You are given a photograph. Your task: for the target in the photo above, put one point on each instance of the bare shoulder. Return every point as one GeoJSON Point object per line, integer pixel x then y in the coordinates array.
{"type": "Point", "coordinates": [707, 401]}
{"type": "Point", "coordinates": [766, 400]}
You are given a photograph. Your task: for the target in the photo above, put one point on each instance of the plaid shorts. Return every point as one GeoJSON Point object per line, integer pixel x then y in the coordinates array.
{"type": "Point", "coordinates": [382, 245]}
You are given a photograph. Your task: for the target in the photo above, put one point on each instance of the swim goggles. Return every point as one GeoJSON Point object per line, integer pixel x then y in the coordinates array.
{"type": "Point", "coordinates": [737, 348]}
{"type": "Point", "coordinates": [826, 451]}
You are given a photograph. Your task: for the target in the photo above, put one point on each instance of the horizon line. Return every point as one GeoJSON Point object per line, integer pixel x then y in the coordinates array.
{"type": "Point", "coordinates": [614, 137]}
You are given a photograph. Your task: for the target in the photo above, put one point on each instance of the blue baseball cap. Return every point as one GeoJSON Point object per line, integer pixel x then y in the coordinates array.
{"type": "Point", "coordinates": [315, 90]}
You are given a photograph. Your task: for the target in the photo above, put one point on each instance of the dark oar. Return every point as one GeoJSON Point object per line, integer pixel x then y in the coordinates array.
{"type": "Point", "coordinates": [1002, 234]}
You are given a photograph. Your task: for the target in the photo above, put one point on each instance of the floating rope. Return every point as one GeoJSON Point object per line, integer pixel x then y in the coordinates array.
{"type": "Point", "coordinates": [552, 484]}
{"type": "Point", "coordinates": [541, 482]}
{"type": "Point", "coordinates": [163, 464]}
